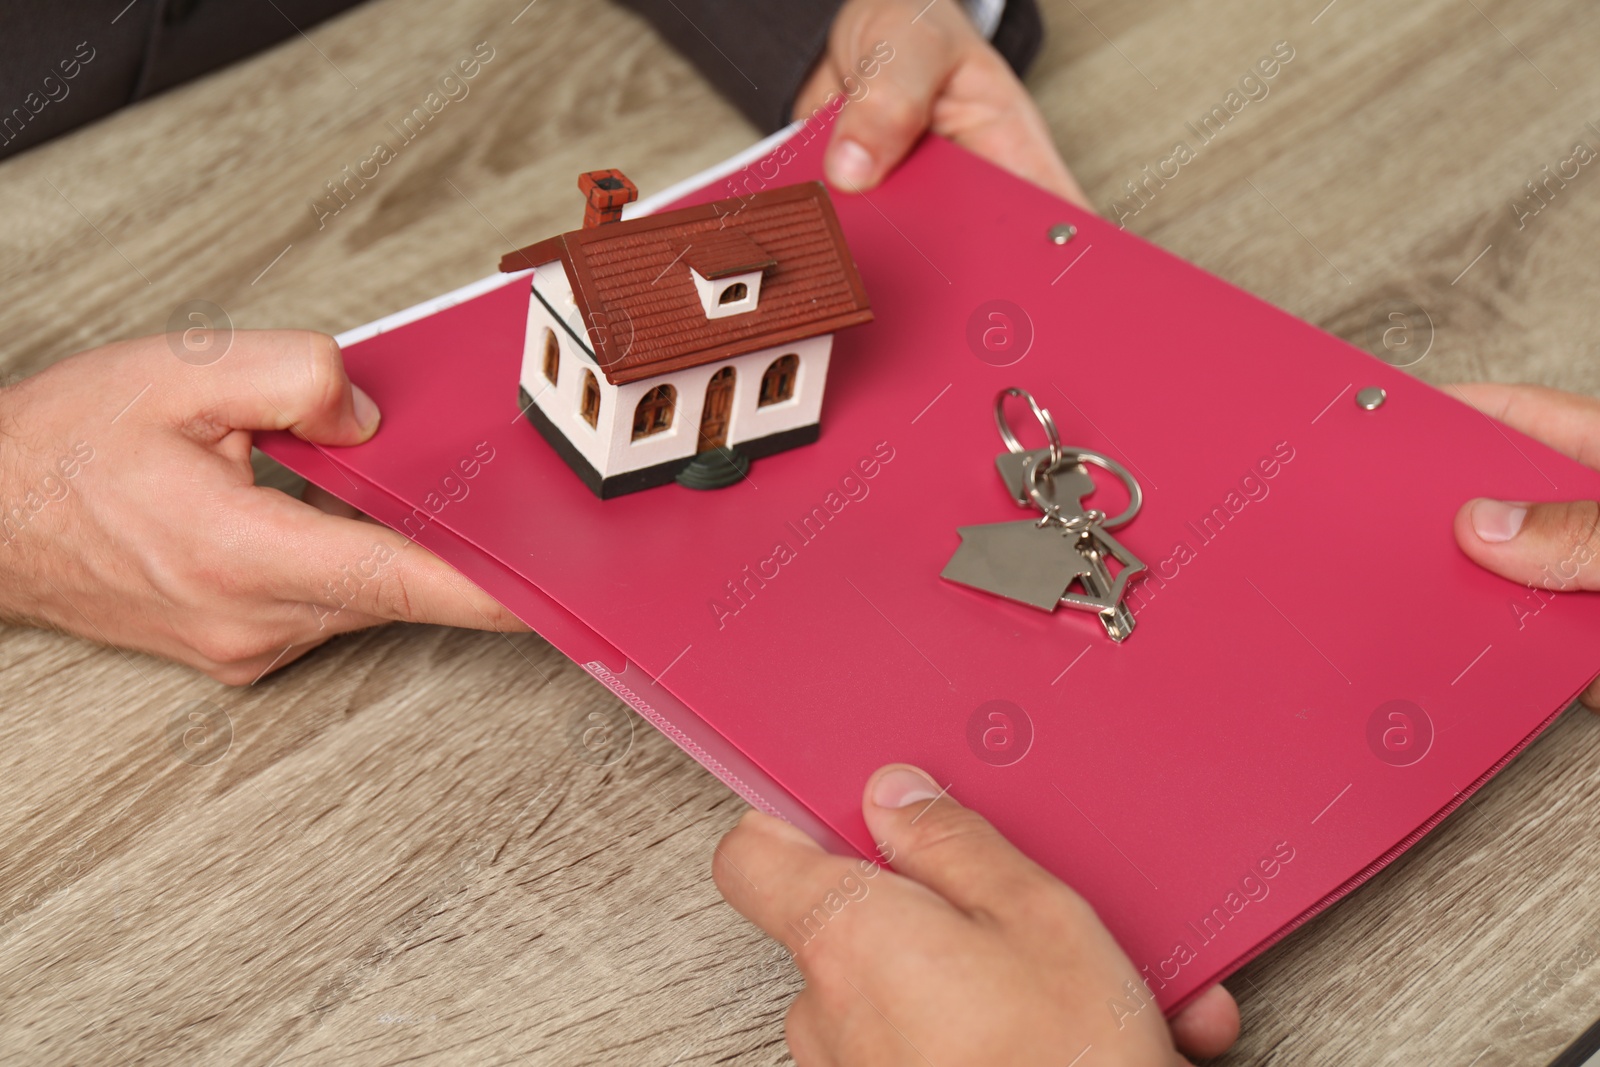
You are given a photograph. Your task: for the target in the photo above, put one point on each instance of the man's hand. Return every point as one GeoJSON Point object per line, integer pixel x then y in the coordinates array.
{"type": "Point", "coordinates": [129, 512]}
{"type": "Point", "coordinates": [940, 76]}
{"type": "Point", "coordinates": [1550, 546]}
{"type": "Point", "coordinates": [966, 953]}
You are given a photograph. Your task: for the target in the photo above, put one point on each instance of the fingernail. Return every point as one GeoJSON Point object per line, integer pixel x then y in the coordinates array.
{"type": "Point", "coordinates": [1496, 521]}
{"type": "Point", "coordinates": [849, 164]}
{"type": "Point", "coordinates": [902, 786]}
{"type": "Point", "coordinates": [367, 414]}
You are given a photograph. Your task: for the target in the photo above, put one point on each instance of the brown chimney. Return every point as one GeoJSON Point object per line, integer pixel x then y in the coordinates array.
{"type": "Point", "coordinates": [606, 191]}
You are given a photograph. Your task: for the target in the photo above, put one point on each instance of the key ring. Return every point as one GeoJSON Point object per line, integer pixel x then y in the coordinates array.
{"type": "Point", "coordinates": [1084, 455]}
{"type": "Point", "coordinates": [1077, 524]}
{"type": "Point", "coordinates": [1045, 420]}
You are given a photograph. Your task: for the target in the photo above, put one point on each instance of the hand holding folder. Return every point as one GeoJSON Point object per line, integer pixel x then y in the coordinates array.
{"type": "Point", "coordinates": [964, 1010]}
{"type": "Point", "coordinates": [966, 947]}
{"type": "Point", "coordinates": [1546, 548]}
{"type": "Point", "coordinates": [1319, 675]}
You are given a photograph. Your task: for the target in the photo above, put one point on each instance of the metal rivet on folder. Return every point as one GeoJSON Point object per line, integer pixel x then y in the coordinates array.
{"type": "Point", "coordinates": [1371, 398]}
{"type": "Point", "coordinates": [1062, 232]}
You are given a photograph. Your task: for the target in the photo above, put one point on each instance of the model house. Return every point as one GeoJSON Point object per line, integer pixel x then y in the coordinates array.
{"type": "Point", "coordinates": [680, 346]}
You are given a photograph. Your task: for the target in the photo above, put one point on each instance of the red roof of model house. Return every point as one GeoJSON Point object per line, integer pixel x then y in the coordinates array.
{"type": "Point", "coordinates": [632, 284]}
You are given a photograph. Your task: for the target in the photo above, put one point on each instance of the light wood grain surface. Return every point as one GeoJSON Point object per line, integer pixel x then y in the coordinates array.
{"type": "Point", "coordinates": [396, 856]}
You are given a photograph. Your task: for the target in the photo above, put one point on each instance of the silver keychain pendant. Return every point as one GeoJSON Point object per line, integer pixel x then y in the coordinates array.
{"type": "Point", "coordinates": [1039, 561]}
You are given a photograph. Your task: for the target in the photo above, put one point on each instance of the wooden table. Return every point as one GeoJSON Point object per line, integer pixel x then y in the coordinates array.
{"type": "Point", "coordinates": [398, 857]}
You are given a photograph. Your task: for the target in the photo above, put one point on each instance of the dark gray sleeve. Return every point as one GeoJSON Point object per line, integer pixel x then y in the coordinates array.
{"type": "Point", "coordinates": [64, 63]}
{"type": "Point", "coordinates": [758, 53]}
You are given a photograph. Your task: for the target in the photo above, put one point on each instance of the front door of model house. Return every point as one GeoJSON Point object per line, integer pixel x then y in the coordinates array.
{"type": "Point", "coordinates": [714, 419]}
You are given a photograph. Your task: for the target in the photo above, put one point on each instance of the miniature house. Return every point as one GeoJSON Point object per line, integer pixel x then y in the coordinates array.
{"type": "Point", "coordinates": [680, 346]}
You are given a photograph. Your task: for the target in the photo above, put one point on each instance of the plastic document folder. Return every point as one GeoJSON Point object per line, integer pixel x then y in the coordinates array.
{"type": "Point", "coordinates": [1317, 675]}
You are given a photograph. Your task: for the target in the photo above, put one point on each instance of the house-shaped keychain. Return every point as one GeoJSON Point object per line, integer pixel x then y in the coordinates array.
{"type": "Point", "coordinates": [680, 346]}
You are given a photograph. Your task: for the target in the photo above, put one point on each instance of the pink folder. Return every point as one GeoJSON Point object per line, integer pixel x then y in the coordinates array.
{"type": "Point", "coordinates": [1318, 675]}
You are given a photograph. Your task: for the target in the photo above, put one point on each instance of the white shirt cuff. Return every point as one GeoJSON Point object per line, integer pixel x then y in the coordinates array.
{"type": "Point", "coordinates": [985, 15]}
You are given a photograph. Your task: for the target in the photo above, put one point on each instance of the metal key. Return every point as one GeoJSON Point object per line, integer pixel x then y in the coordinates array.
{"type": "Point", "coordinates": [1101, 588]}
{"type": "Point", "coordinates": [1039, 562]}
{"type": "Point", "coordinates": [1058, 492]}
{"type": "Point", "coordinates": [1024, 560]}
{"type": "Point", "coordinates": [1057, 480]}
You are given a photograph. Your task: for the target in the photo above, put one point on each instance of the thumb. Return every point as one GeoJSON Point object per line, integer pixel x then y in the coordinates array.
{"type": "Point", "coordinates": [1209, 1025]}
{"type": "Point", "coordinates": [277, 380]}
{"type": "Point", "coordinates": [928, 837]}
{"type": "Point", "coordinates": [1549, 546]}
{"type": "Point", "coordinates": [874, 131]}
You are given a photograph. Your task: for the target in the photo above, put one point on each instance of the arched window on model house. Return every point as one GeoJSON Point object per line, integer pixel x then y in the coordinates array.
{"type": "Point", "coordinates": [552, 356]}
{"type": "Point", "coordinates": [654, 412]}
{"type": "Point", "coordinates": [777, 385]}
{"type": "Point", "coordinates": [591, 399]}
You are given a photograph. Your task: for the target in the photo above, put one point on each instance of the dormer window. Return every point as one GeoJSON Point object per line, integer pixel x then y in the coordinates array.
{"type": "Point", "coordinates": [727, 268]}
{"type": "Point", "coordinates": [722, 297]}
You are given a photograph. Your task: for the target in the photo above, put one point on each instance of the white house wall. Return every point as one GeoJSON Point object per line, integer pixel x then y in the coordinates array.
{"type": "Point", "coordinates": [609, 447]}
{"type": "Point", "coordinates": [751, 421]}
{"type": "Point", "coordinates": [747, 420]}
{"type": "Point", "coordinates": [551, 281]}
{"type": "Point", "coordinates": [562, 402]}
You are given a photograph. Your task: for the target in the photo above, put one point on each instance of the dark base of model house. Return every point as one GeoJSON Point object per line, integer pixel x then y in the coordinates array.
{"type": "Point", "coordinates": [714, 472]}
